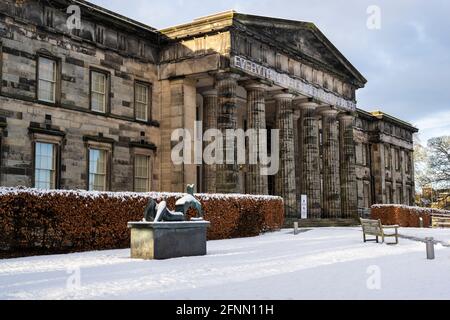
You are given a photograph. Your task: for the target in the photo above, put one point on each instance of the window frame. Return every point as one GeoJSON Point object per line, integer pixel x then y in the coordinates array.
{"type": "Point", "coordinates": [122, 46]}
{"type": "Point", "coordinates": [49, 13]}
{"type": "Point", "coordinates": [92, 142]}
{"type": "Point", "coordinates": [388, 194]}
{"type": "Point", "coordinates": [103, 174]}
{"type": "Point", "coordinates": [49, 139]}
{"type": "Point", "coordinates": [107, 93]}
{"type": "Point", "coordinates": [366, 154]}
{"type": "Point", "coordinates": [408, 162]}
{"type": "Point", "coordinates": [100, 34]}
{"type": "Point", "coordinates": [398, 159]}
{"type": "Point", "coordinates": [107, 173]}
{"type": "Point", "coordinates": [399, 194]}
{"type": "Point", "coordinates": [149, 156]}
{"type": "Point", "coordinates": [57, 81]}
{"type": "Point", "coordinates": [53, 170]}
{"type": "Point", "coordinates": [149, 87]}
{"type": "Point", "coordinates": [387, 157]}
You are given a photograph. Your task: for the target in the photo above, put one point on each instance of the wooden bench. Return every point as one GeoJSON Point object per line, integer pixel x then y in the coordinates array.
{"type": "Point", "coordinates": [375, 228]}
{"type": "Point", "coordinates": [440, 221]}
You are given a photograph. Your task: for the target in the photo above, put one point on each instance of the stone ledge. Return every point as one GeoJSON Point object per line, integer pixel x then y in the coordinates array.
{"type": "Point", "coordinates": [169, 225]}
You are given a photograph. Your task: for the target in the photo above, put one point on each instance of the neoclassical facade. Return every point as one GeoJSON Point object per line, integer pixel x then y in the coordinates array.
{"type": "Point", "coordinates": [95, 108]}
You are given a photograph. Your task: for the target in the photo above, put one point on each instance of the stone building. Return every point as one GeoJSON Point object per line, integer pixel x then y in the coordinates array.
{"type": "Point", "coordinates": [384, 159]}
{"type": "Point", "coordinates": [94, 107]}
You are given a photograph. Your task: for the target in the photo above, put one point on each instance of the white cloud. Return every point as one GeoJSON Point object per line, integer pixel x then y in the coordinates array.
{"type": "Point", "coordinates": [406, 62]}
{"type": "Point", "coordinates": [434, 125]}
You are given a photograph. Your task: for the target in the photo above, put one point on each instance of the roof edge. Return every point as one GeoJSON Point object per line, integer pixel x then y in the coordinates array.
{"type": "Point", "coordinates": [93, 7]}
{"type": "Point", "coordinates": [321, 36]}
{"type": "Point", "coordinates": [380, 115]}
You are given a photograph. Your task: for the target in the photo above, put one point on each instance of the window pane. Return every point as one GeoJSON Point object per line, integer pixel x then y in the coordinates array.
{"type": "Point", "coordinates": [47, 69]}
{"type": "Point", "coordinates": [141, 111]}
{"type": "Point", "coordinates": [47, 80]}
{"type": "Point", "coordinates": [97, 169]}
{"type": "Point", "coordinates": [46, 91]}
{"type": "Point", "coordinates": [141, 173]}
{"type": "Point", "coordinates": [98, 102]}
{"type": "Point", "coordinates": [98, 82]}
{"type": "Point", "coordinates": [98, 92]}
{"type": "Point", "coordinates": [141, 103]}
{"type": "Point", "coordinates": [44, 163]}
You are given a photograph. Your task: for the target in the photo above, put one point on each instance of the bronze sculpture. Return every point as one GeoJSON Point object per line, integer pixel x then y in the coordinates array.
{"type": "Point", "coordinates": [160, 213]}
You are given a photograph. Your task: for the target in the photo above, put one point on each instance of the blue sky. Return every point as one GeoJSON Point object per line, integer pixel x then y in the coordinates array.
{"type": "Point", "coordinates": [406, 61]}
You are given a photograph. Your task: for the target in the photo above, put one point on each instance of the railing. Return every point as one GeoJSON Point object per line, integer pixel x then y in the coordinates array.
{"type": "Point", "coordinates": [440, 220]}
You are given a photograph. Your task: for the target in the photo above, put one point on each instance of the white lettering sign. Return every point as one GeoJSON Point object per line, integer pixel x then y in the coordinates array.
{"type": "Point", "coordinates": [304, 206]}
{"type": "Point", "coordinates": [294, 84]}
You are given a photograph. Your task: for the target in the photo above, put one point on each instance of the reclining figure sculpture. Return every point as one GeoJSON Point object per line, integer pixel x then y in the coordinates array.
{"type": "Point", "coordinates": [189, 201]}
{"type": "Point", "coordinates": [159, 212]}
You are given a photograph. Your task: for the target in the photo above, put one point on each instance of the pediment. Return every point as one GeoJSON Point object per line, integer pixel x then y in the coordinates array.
{"type": "Point", "coordinates": [303, 39]}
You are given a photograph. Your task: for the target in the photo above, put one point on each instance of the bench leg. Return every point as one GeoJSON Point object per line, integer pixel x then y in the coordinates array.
{"type": "Point", "coordinates": [364, 237]}
{"type": "Point", "coordinates": [377, 239]}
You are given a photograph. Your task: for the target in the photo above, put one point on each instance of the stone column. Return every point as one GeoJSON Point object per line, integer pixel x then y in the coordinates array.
{"type": "Point", "coordinates": [349, 193]}
{"type": "Point", "coordinates": [330, 152]}
{"type": "Point", "coordinates": [310, 157]}
{"type": "Point", "coordinates": [285, 179]}
{"type": "Point", "coordinates": [227, 173]}
{"type": "Point", "coordinates": [209, 122]}
{"type": "Point", "coordinates": [178, 110]}
{"type": "Point", "coordinates": [256, 119]}
{"type": "Point", "coordinates": [298, 147]}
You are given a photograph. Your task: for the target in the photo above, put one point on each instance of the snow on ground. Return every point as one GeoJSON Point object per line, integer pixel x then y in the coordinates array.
{"type": "Point", "coordinates": [322, 263]}
{"type": "Point", "coordinates": [439, 235]}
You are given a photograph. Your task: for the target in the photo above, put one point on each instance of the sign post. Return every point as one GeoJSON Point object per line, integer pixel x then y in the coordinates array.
{"type": "Point", "coordinates": [304, 207]}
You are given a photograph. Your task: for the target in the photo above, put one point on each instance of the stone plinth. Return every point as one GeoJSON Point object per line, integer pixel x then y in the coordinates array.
{"type": "Point", "coordinates": [165, 240]}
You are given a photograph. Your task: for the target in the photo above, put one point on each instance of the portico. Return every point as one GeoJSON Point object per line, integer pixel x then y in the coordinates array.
{"type": "Point", "coordinates": [252, 72]}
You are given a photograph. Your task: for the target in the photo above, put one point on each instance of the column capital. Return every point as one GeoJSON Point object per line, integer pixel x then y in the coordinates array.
{"type": "Point", "coordinates": [345, 117]}
{"type": "Point", "coordinates": [210, 93]}
{"type": "Point", "coordinates": [254, 85]}
{"type": "Point", "coordinates": [305, 104]}
{"type": "Point", "coordinates": [327, 111]}
{"type": "Point", "coordinates": [227, 76]}
{"type": "Point", "coordinates": [284, 96]}
{"type": "Point", "coordinates": [301, 101]}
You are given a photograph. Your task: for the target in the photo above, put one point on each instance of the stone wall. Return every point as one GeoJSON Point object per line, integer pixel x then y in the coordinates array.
{"type": "Point", "coordinates": [384, 160]}
{"type": "Point", "coordinates": [23, 38]}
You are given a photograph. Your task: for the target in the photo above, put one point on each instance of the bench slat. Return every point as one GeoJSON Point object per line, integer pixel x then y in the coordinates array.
{"type": "Point", "coordinates": [375, 228]}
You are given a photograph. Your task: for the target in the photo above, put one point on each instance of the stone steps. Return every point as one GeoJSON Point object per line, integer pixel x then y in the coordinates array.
{"type": "Point", "coordinates": [308, 223]}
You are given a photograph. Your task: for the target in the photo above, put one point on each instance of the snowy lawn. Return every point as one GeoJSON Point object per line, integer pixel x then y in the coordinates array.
{"type": "Point", "coordinates": [322, 263]}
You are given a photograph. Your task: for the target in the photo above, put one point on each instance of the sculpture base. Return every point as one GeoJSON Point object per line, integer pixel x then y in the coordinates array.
{"type": "Point", "coordinates": [165, 240]}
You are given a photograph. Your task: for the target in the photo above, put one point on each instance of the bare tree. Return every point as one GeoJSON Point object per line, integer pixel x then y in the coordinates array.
{"type": "Point", "coordinates": [420, 164]}
{"type": "Point", "coordinates": [439, 161]}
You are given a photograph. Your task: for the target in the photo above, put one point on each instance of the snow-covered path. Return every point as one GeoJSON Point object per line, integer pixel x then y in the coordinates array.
{"type": "Point", "coordinates": [323, 263]}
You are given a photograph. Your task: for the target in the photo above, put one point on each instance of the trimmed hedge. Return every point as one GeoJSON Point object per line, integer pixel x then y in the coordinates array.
{"type": "Point", "coordinates": [46, 222]}
{"type": "Point", "coordinates": [404, 216]}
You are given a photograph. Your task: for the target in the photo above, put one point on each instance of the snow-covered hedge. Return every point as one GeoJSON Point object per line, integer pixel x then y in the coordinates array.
{"type": "Point", "coordinates": [405, 216]}
{"type": "Point", "coordinates": [40, 221]}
